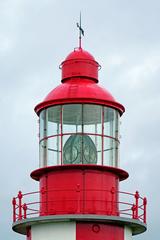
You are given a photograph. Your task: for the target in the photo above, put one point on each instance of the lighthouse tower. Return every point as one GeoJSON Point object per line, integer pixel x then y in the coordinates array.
{"type": "Point", "coordinates": [79, 174]}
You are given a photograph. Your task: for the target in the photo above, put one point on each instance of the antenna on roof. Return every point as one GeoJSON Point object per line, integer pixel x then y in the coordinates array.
{"type": "Point", "coordinates": [81, 31]}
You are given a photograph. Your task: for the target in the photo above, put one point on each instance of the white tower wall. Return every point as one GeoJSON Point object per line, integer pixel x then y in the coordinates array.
{"type": "Point", "coordinates": [54, 231]}
{"type": "Point", "coordinates": [127, 233]}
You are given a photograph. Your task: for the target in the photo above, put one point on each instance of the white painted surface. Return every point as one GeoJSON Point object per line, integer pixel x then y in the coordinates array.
{"type": "Point", "coordinates": [54, 231]}
{"type": "Point", "coordinates": [127, 233]}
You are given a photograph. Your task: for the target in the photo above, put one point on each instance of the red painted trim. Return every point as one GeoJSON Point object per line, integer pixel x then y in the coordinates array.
{"type": "Point", "coordinates": [61, 127]}
{"type": "Point", "coordinates": [38, 173]}
{"type": "Point", "coordinates": [79, 133]}
{"type": "Point", "coordinates": [103, 135]}
{"type": "Point", "coordinates": [55, 102]}
{"type": "Point", "coordinates": [98, 231]}
{"type": "Point", "coordinates": [82, 133]}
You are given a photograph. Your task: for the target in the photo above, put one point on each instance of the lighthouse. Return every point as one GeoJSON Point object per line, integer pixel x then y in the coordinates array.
{"type": "Point", "coordinates": [79, 167]}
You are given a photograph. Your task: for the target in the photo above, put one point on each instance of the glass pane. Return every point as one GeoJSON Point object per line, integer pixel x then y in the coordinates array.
{"type": "Point", "coordinates": [72, 118]}
{"type": "Point", "coordinates": [116, 154]}
{"type": "Point", "coordinates": [72, 114]}
{"type": "Point", "coordinates": [92, 115]}
{"type": "Point", "coordinates": [111, 122]}
{"type": "Point", "coordinates": [116, 124]}
{"type": "Point", "coordinates": [43, 153]}
{"type": "Point", "coordinates": [110, 152]}
{"type": "Point", "coordinates": [41, 149]}
{"type": "Point", "coordinates": [111, 132]}
{"type": "Point", "coordinates": [42, 124]}
{"type": "Point", "coordinates": [52, 158]}
{"type": "Point", "coordinates": [97, 140]}
{"type": "Point", "coordinates": [53, 151]}
{"type": "Point", "coordinates": [106, 160]}
{"type": "Point", "coordinates": [53, 125]}
{"type": "Point", "coordinates": [108, 119]}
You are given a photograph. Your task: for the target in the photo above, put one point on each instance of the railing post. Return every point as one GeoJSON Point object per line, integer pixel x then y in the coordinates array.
{"type": "Point", "coordinates": [25, 210]}
{"type": "Point", "coordinates": [112, 199]}
{"type": "Point", "coordinates": [78, 197]}
{"type": "Point", "coordinates": [14, 209]}
{"type": "Point", "coordinates": [145, 206]}
{"type": "Point", "coordinates": [136, 195]}
{"type": "Point", "coordinates": [20, 205]}
{"type": "Point", "coordinates": [133, 211]}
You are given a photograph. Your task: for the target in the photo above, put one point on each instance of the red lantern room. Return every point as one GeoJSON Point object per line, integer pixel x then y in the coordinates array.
{"type": "Point", "coordinates": [79, 173]}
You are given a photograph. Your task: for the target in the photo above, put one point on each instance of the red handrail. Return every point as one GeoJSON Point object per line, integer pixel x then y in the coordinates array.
{"type": "Point", "coordinates": [135, 209]}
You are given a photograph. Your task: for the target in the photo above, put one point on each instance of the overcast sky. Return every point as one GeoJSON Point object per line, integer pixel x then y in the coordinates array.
{"type": "Point", "coordinates": [124, 37]}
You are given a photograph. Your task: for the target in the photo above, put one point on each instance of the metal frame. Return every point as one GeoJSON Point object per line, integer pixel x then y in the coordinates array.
{"type": "Point", "coordinates": [61, 134]}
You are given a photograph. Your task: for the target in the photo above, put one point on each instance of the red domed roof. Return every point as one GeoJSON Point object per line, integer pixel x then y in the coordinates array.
{"type": "Point", "coordinates": [79, 91]}
{"type": "Point", "coordinates": [79, 84]}
{"type": "Point", "coordinates": [79, 53]}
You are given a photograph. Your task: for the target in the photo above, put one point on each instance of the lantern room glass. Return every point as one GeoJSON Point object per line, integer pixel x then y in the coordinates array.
{"type": "Point", "coordinates": [79, 134]}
